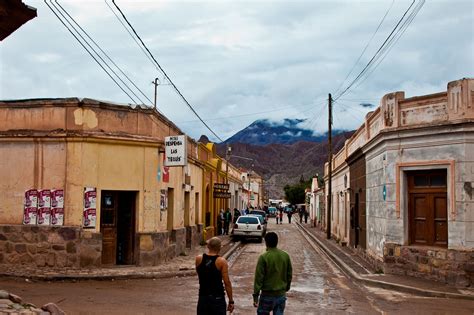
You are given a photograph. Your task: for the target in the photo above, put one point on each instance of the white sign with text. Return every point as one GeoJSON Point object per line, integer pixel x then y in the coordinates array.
{"type": "Point", "coordinates": [175, 150]}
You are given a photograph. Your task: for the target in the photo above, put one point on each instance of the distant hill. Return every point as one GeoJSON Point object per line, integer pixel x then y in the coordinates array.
{"type": "Point", "coordinates": [289, 131]}
{"type": "Point", "coordinates": [278, 157]}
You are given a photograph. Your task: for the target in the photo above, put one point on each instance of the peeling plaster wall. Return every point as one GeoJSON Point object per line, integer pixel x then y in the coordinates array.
{"type": "Point", "coordinates": [419, 150]}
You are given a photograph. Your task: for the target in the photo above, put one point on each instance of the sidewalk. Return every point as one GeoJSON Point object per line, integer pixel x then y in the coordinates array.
{"type": "Point", "coordinates": [359, 270]}
{"type": "Point", "coordinates": [179, 266]}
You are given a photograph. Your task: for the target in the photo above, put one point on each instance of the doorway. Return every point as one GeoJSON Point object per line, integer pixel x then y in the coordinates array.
{"type": "Point", "coordinates": [427, 207]}
{"type": "Point", "coordinates": [117, 225]}
{"type": "Point", "coordinates": [170, 215]}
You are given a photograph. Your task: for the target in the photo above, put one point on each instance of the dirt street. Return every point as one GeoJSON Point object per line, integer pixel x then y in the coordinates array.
{"type": "Point", "coordinates": [318, 287]}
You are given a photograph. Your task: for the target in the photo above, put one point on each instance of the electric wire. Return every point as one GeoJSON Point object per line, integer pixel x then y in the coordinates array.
{"type": "Point", "coordinates": [365, 48]}
{"type": "Point", "coordinates": [93, 57]}
{"type": "Point", "coordinates": [395, 39]}
{"type": "Point", "coordinates": [364, 70]}
{"type": "Point", "coordinates": [242, 115]}
{"type": "Point", "coordinates": [165, 74]}
{"type": "Point", "coordinates": [97, 54]}
{"type": "Point", "coordinates": [131, 35]}
{"type": "Point", "coordinates": [108, 57]}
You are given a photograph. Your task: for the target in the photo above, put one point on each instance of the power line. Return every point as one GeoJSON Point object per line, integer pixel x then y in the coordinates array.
{"type": "Point", "coordinates": [365, 48]}
{"type": "Point", "coordinates": [165, 74]}
{"type": "Point", "coordinates": [395, 39]}
{"type": "Point", "coordinates": [364, 70]}
{"type": "Point", "coordinates": [131, 35]}
{"type": "Point", "coordinates": [243, 115]}
{"type": "Point", "coordinates": [93, 57]}
{"type": "Point", "coordinates": [108, 57]}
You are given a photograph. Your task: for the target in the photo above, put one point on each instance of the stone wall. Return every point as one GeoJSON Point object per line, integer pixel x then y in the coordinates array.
{"type": "Point", "coordinates": [193, 235]}
{"type": "Point", "coordinates": [74, 247]}
{"type": "Point", "coordinates": [455, 267]}
{"type": "Point", "coordinates": [49, 247]}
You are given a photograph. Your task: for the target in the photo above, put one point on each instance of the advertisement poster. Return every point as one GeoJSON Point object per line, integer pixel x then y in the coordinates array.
{"type": "Point", "coordinates": [166, 171]}
{"type": "Point", "coordinates": [30, 207]}
{"type": "Point", "coordinates": [90, 210]}
{"type": "Point", "coordinates": [44, 207]}
{"type": "Point", "coordinates": [163, 199]}
{"type": "Point", "coordinates": [57, 207]}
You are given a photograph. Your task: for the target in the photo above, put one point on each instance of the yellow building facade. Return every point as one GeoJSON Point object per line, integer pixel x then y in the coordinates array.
{"type": "Point", "coordinates": [121, 205]}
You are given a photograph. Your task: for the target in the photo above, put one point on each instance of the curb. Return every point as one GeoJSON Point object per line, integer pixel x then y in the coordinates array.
{"type": "Point", "coordinates": [108, 277]}
{"type": "Point", "coordinates": [348, 271]}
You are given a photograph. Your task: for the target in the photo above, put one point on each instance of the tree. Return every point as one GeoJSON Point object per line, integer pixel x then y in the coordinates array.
{"type": "Point", "coordinates": [295, 194]}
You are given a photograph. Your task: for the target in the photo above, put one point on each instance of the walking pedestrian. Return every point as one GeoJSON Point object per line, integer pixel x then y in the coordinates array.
{"type": "Point", "coordinates": [301, 214]}
{"type": "Point", "coordinates": [220, 222]}
{"type": "Point", "coordinates": [277, 216]}
{"type": "Point", "coordinates": [272, 279]}
{"type": "Point", "coordinates": [227, 219]}
{"type": "Point", "coordinates": [281, 216]}
{"type": "Point", "coordinates": [212, 270]}
{"type": "Point", "coordinates": [289, 213]}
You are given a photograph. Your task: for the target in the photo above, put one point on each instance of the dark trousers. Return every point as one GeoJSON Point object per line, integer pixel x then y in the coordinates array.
{"type": "Point", "coordinates": [226, 228]}
{"type": "Point", "coordinates": [211, 305]}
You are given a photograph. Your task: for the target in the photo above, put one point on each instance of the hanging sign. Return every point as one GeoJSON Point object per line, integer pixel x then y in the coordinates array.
{"type": "Point", "coordinates": [175, 151]}
{"type": "Point", "coordinates": [221, 191]}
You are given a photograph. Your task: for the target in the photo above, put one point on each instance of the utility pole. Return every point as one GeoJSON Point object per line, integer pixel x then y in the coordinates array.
{"type": "Point", "coordinates": [329, 201]}
{"type": "Point", "coordinates": [156, 83]}
{"type": "Point", "coordinates": [227, 156]}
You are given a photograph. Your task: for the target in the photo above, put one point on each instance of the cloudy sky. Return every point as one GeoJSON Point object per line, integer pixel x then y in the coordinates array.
{"type": "Point", "coordinates": [238, 61]}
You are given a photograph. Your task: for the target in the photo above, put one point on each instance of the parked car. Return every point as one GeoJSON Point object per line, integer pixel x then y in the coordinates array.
{"type": "Point", "coordinates": [272, 211]}
{"type": "Point", "coordinates": [248, 226]}
{"type": "Point", "coordinates": [260, 212]}
{"type": "Point", "coordinates": [262, 219]}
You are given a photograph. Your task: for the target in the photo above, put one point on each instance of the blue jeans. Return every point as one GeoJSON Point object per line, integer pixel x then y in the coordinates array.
{"type": "Point", "coordinates": [211, 305]}
{"type": "Point", "coordinates": [267, 304]}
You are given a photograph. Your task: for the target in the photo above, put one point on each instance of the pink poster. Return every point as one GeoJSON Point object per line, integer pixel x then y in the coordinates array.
{"type": "Point", "coordinates": [30, 207]}
{"type": "Point", "coordinates": [57, 207]}
{"type": "Point", "coordinates": [44, 207]}
{"type": "Point", "coordinates": [90, 196]}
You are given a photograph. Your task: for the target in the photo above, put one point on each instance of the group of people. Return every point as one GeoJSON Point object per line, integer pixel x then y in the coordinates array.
{"type": "Point", "coordinates": [224, 222]}
{"type": "Point", "coordinates": [301, 212]}
{"type": "Point", "coordinates": [273, 275]}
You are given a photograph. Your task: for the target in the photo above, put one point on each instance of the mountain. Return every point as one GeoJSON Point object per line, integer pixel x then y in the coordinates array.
{"type": "Point", "coordinates": [264, 131]}
{"type": "Point", "coordinates": [279, 158]}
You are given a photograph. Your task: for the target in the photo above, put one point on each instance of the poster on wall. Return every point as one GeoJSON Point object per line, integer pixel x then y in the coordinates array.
{"type": "Point", "coordinates": [166, 171]}
{"type": "Point", "coordinates": [44, 207]}
{"type": "Point", "coordinates": [163, 199]}
{"type": "Point", "coordinates": [90, 210]}
{"type": "Point", "coordinates": [57, 207]}
{"type": "Point", "coordinates": [30, 207]}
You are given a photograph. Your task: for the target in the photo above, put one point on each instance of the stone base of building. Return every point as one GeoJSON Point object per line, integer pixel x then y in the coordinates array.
{"type": "Point", "coordinates": [49, 247]}
{"type": "Point", "coordinates": [156, 248]}
{"type": "Point", "coordinates": [451, 266]}
{"type": "Point", "coordinates": [32, 247]}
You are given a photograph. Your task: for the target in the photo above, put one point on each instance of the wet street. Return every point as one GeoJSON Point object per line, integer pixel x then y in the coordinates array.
{"type": "Point", "coordinates": [318, 288]}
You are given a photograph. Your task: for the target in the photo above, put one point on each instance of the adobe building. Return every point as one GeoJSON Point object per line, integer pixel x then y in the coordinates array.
{"type": "Point", "coordinates": [410, 184]}
{"type": "Point", "coordinates": [84, 185]}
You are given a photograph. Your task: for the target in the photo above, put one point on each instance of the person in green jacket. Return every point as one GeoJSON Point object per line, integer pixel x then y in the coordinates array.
{"type": "Point", "coordinates": [272, 278]}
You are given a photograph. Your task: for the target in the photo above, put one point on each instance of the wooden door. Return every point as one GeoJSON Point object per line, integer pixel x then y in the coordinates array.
{"type": "Point", "coordinates": [108, 226]}
{"type": "Point", "coordinates": [427, 207]}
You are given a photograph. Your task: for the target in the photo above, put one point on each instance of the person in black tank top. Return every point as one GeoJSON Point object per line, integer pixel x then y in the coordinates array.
{"type": "Point", "coordinates": [213, 273]}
